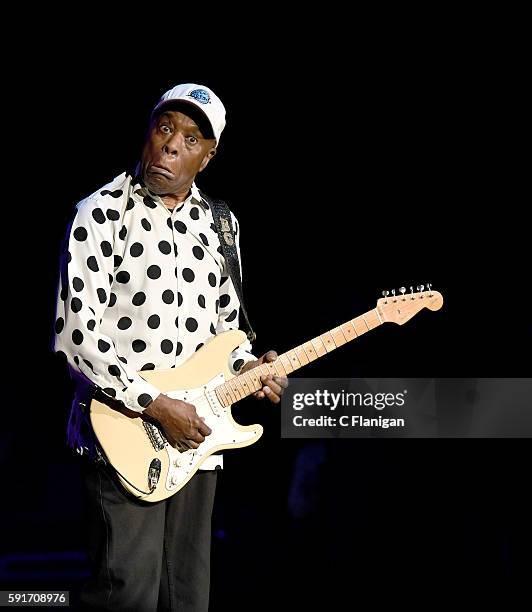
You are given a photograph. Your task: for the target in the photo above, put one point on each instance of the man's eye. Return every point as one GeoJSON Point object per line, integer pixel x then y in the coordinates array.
{"type": "Point", "coordinates": [165, 129]}
{"type": "Point", "coordinates": [192, 140]}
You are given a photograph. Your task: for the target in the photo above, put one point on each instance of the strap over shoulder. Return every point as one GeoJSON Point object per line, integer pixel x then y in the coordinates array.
{"type": "Point", "coordinates": [226, 234]}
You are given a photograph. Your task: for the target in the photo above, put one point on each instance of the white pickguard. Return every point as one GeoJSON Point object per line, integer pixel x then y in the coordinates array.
{"type": "Point", "coordinates": [224, 433]}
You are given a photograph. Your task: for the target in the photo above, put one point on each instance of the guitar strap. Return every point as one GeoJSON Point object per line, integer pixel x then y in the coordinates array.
{"type": "Point", "coordinates": [224, 227]}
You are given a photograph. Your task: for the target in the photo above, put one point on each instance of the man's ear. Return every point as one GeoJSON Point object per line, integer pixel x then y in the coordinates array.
{"type": "Point", "coordinates": [208, 156]}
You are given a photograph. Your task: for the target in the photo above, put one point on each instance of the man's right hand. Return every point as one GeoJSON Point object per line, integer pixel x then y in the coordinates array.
{"type": "Point", "coordinates": [180, 421]}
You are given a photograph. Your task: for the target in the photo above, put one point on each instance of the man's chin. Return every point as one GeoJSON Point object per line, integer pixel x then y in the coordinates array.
{"type": "Point", "coordinates": [158, 184]}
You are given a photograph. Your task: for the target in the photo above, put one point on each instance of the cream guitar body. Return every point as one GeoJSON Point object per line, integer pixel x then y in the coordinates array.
{"type": "Point", "coordinates": [133, 445]}
{"type": "Point", "coordinates": [153, 470]}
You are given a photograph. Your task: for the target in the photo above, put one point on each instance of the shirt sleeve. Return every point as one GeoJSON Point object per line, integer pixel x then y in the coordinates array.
{"type": "Point", "coordinates": [229, 312]}
{"type": "Point", "coordinates": [84, 292]}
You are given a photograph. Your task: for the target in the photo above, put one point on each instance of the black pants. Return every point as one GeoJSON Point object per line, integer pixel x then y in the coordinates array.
{"type": "Point", "coordinates": [148, 557]}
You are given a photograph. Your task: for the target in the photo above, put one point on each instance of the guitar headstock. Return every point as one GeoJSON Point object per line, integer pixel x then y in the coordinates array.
{"type": "Point", "coordinates": [400, 308]}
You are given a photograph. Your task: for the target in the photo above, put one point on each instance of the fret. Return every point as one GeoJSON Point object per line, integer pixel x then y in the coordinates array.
{"type": "Point", "coordinates": [294, 361]}
{"type": "Point", "coordinates": [230, 392]}
{"type": "Point", "coordinates": [360, 326]}
{"type": "Point", "coordinates": [254, 379]}
{"type": "Point", "coordinates": [338, 336]}
{"type": "Point", "coordinates": [301, 355]}
{"type": "Point", "coordinates": [319, 347]}
{"type": "Point", "coordinates": [244, 382]}
{"type": "Point", "coordinates": [286, 364]}
{"type": "Point", "coordinates": [372, 319]}
{"type": "Point", "coordinates": [237, 388]}
{"type": "Point", "coordinates": [328, 341]}
{"type": "Point", "coordinates": [349, 331]}
{"type": "Point", "coordinates": [310, 352]}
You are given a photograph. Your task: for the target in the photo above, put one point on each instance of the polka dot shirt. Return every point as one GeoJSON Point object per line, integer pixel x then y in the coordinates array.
{"type": "Point", "coordinates": [141, 287]}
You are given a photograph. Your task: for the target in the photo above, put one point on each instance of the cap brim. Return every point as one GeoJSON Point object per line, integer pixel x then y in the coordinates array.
{"type": "Point", "coordinates": [193, 110]}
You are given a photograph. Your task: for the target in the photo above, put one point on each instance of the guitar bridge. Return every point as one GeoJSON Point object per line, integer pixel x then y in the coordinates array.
{"type": "Point", "coordinates": [156, 437]}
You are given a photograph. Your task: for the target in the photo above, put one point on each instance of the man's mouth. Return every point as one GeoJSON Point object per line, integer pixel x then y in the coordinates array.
{"type": "Point", "coordinates": [156, 169]}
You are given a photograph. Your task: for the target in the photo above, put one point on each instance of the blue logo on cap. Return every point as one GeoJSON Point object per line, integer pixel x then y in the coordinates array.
{"type": "Point", "coordinates": [200, 95]}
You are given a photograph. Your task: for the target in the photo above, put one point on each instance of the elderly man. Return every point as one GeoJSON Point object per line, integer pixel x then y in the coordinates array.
{"type": "Point", "coordinates": [144, 284]}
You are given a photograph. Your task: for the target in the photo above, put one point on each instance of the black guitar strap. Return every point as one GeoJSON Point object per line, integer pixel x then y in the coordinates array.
{"type": "Point", "coordinates": [226, 234]}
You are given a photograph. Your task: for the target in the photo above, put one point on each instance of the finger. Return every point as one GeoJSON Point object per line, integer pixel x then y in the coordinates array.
{"type": "Point", "coordinates": [282, 381]}
{"type": "Point", "coordinates": [190, 443]}
{"type": "Point", "coordinates": [259, 395]}
{"type": "Point", "coordinates": [203, 428]}
{"type": "Point", "coordinates": [273, 397]}
{"type": "Point", "coordinates": [275, 388]}
{"type": "Point", "coordinates": [270, 356]}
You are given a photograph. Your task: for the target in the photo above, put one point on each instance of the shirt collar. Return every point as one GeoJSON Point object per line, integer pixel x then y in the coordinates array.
{"type": "Point", "coordinates": [138, 187]}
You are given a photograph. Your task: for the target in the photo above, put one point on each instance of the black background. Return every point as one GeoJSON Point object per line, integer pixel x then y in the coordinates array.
{"type": "Point", "coordinates": [350, 173]}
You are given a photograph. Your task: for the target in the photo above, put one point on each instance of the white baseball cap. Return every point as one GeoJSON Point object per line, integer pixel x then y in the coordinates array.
{"type": "Point", "coordinates": [203, 98]}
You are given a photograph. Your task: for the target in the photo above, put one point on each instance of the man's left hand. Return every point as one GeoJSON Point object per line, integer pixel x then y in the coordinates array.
{"type": "Point", "coordinates": [272, 386]}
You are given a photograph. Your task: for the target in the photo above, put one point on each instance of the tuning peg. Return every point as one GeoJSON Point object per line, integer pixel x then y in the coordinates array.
{"type": "Point", "coordinates": [393, 293]}
{"type": "Point", "coordinates": [412, 293]}
{"type": "Point", "coordinates": [402, 290]}
{"type": "Point", "coordinates": [385, 295]}
{"type": "Point", "coordinates": [429, 285]}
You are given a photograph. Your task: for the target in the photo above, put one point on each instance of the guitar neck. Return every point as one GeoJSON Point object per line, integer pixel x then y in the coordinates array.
{"type": "Point", "coordinates": [249, 382]}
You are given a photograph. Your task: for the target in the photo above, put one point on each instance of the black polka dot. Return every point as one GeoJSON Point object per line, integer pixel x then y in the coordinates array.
{"type": "Point", "coordinates": [130, 203]}
{"type": "Point", "coordinates": [110, 392]}
{"type": "Point", "coordinates": [136, 249]}
{"type": "Point", "coordinates": [194, 213]}
{"type": "Point", "coordinates": [154, 321]}
{"type": "Point", "coordinates": [114, 370]}
{"type": "Point", "coordinates": [188, 275]}
{"type": "Point", "coordinates": [204, 239]}
{"type": "Point", "coordinates": [220, 250]}
{"type": "Point", "coordinates": [88, 364]}
{"type": "Point", "coordinates": [199, 346]}
{"type": "Point", "coordinates": [167, 346]}
{"type": "Point", "coordinates": [92, 311]}
{"type": "Point", "coordinates": [107, 249]}
{"type": "Point", "coordinates": [102, 295]}
{"type": "Point", "coordinates": [175, 249]}
{"type": "Point", "coordinates": [191, 324]}
{"type": "Point", "coordinates": [62, 356]}
{"type": "Point", "coordinates": [176, 321]}
{"type": "Point", "coordinates": [212, 330]}
{"type": "Point", "coordinates": [212, 279]}
{"type": "Point", "coordinates": [232, 316]}
{"type": "Point", "coordinates": [149, 201]}
{"type": "Point", "coordinates": [117, 260]}
{"type": "Point", "coordinates": [122, 277]}
{"type": "Point", "coordinates": [63, 293]}
{"type": "Point", "coordinates": [201, 301]}
{"type": "Point", "coordinates": [114, 194]}
{"type": "Point", "coordinates": [80, 234]}
{"type": "Point", "coordinates": [178, 348]}
{"type": "Point", "coordinates": [122, 359]}
{"type": "Point", "coordinates": [146, 224]}
{"type": "Point", "coordinates": [138, 346]}
{"type": "Point", "coordinates": [198, 252]}
{"type": "Point", "coordinates": [168, 296]}
{"type": "Point", "coordinates": [78, 284]}
{"type": "Point", "coordinates": [76, 360]}
{"type": "Point", "coordinates": [92, 264]}
{"type": "Point", "coordinates": [122, 233]}
{"type": "Point", "coordinates": [154, 272]}
{"type": "Point", "coordinates": [180, 227]}
{"type": "Point", "coordinates": [144, 399]}
{"type": "Point", "coordinates": [110, 277]}
{"type": "Point", "coordinates": [217, 305]}
{"type": "Point", "coordinates": [91, 324]}
{"type": "Point", "coordinates": [77, 337]}
{"type": "Point", "coordinates": [139, 298]}
{"type": "Point", "coordinates": [75, 304]}
{"type": "Point", "coordinates": [69, 256]}
{"type": "Point", "coordinates": [98, 216]}
{"type": "Point", "coordinates": [103, 346]}
{"type": "Point", "coordinates": [213, 227]}
{"type": "Point", "coordinates": [112, 215]}
{"type": "Point", "coordinates": [223, 279]}
{"type": "Point", "coordinates": [148, 366]}
{"type": "Point", "coordinates": [165, 247]}
{"type": "Point", "coordinates": [112, 300]}
{"type": "Point", "coordinates": [169, 222]}
{"type": "Point", "coordinates": [238, 364]}
{"type": "Point", "coordinates": [124, 323]}
{"type": "Point", "coordinates": [59, 325]}
{"type": "Point", "coordinates": [224, 300]}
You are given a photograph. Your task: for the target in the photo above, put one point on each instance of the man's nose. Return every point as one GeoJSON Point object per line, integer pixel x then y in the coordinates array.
{"type": "Point", "coordinates": [174, 144]}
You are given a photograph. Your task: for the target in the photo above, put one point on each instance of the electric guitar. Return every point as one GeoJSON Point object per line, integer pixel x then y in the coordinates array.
{"type": "Point", "coordinates": [152, 469]}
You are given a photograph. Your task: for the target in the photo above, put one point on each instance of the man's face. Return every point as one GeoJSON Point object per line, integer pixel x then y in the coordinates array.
{"type": "Point", "coordinates": [174, 152]}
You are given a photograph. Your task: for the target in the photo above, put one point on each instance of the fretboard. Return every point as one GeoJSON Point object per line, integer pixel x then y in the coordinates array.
{"type": "Point", "coordinates": [249, 382]}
